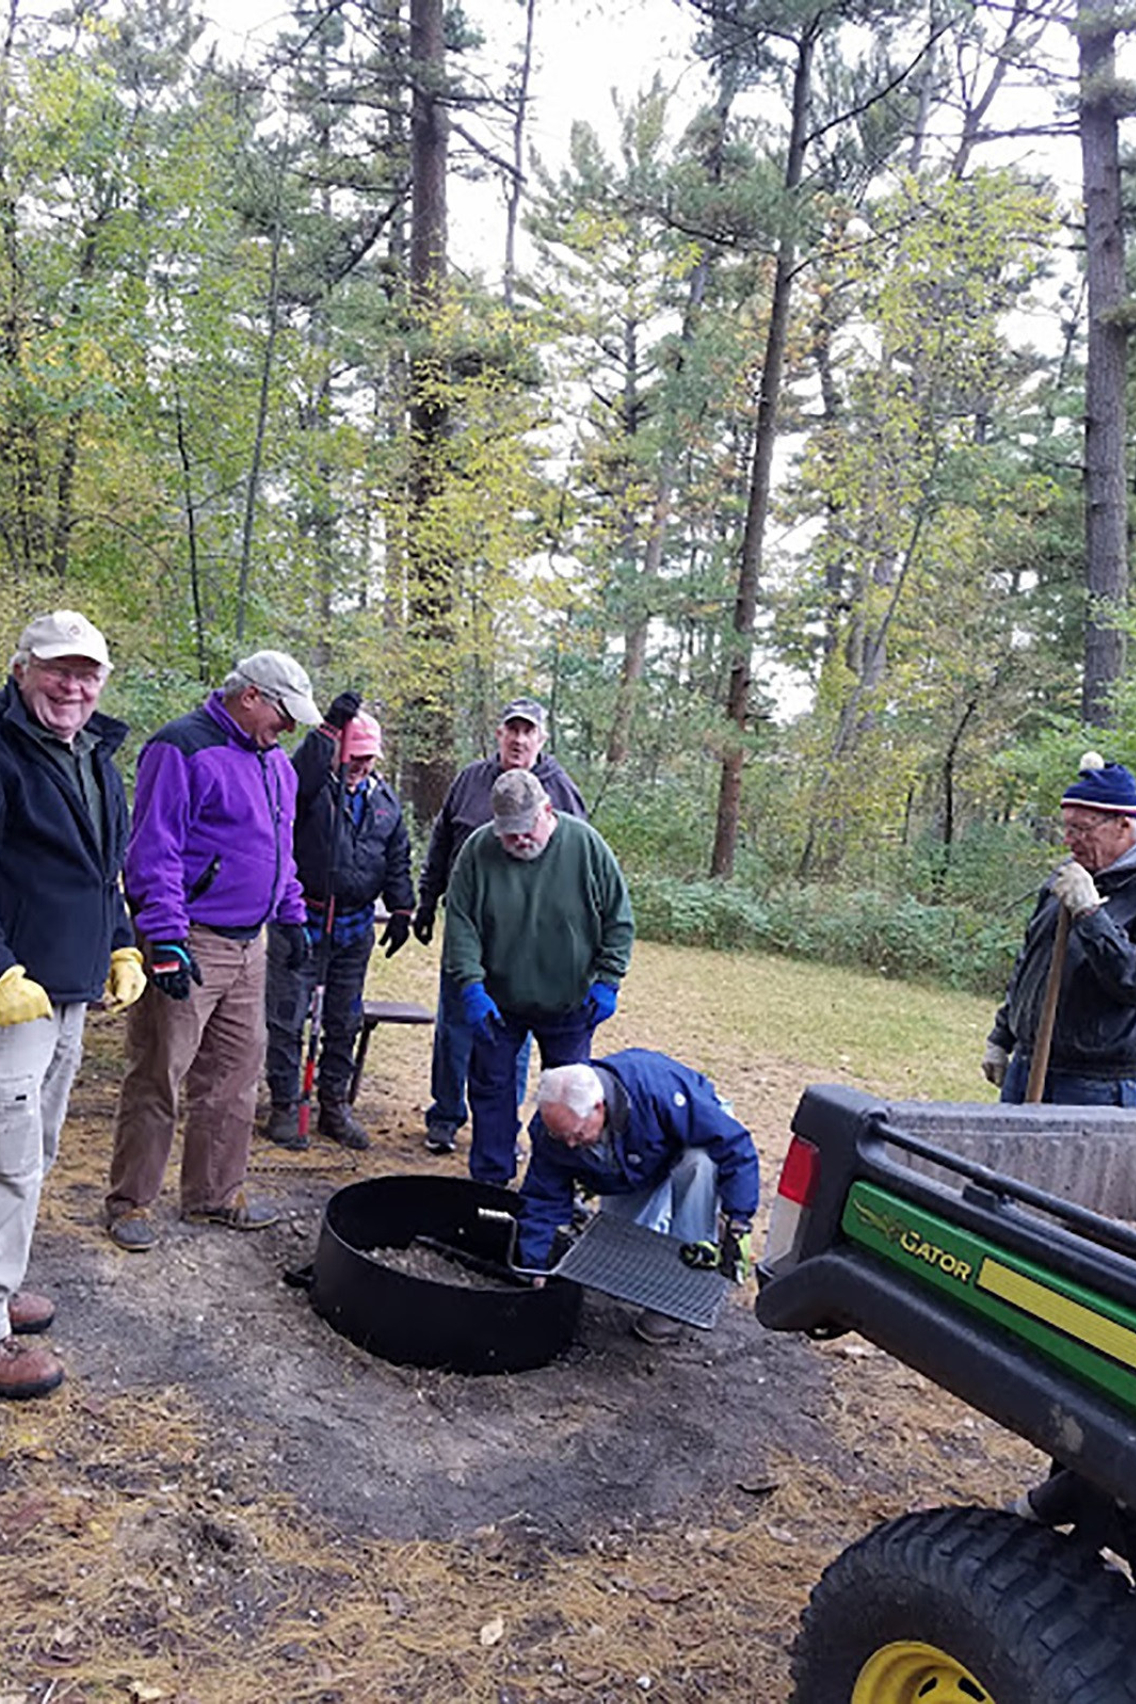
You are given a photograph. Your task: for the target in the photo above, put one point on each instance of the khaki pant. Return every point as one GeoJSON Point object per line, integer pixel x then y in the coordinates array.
{"type": "Point", "coordinates": [214, 1043]}
{"type": "Point", "coordinates": [38, 1061]}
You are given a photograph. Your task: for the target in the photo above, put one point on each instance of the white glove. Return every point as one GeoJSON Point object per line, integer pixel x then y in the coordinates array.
{"type": "Point", "coordinates": [994, 1063]}
{"type": "Point", "coordinates": [1076, 889]}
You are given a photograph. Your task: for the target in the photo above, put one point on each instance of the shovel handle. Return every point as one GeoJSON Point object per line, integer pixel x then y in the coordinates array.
{"type": "Point", "coordinates": [1039, 1064]}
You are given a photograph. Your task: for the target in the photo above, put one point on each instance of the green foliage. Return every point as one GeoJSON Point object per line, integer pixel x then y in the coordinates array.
{"type": "Point", "coordinates": [893, 936]}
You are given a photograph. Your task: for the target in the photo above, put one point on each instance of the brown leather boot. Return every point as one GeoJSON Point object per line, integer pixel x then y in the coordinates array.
{"type": "Point", "coordinates": [28, 1313]}
{"type": "Point", "coordinates": [27, 1369]}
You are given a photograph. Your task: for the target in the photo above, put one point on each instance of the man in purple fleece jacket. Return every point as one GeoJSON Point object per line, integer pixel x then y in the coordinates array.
{"type": "Point", "coordinates": [209, 863]}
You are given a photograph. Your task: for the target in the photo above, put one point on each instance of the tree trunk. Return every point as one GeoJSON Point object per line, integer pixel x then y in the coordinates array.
{"type": "Point", "coordinates": [253, 486]}
{"type": "Point", "coordinates": [635, 635]}
{"type": "Point", "coordinates": [517, 180]}
{"type": "Point", "coordinates": [1106, 516]}
{"type": "Point", "coordinates": [757, 512]}
{"type": "Point", "coordinates": [430, 759]}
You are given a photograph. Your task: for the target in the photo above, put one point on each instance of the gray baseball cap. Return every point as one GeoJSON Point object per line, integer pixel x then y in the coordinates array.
{"type": "Point", "coordinates": [517, 801]}
{"type": "Point", "coordinates": [282, 677]}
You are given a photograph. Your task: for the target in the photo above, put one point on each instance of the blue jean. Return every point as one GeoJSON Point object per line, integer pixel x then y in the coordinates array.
{"type": "Point", "coordinates": [564, 1038]}
{"type": "Point", "coordinates": [683, 1205]}
{"type": "Point", "coordinates": [1066, 1088]}
{"type": "Point", "coordinates": [287, 997]}
{"type": "Point", "coordinates": [449, 1065]}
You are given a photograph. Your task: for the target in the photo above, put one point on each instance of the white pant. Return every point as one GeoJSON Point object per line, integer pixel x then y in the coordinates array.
{"type": "Point", "coordinates": [38, 1062]}
{"type": "Point", "coordinates": [683, 1205]}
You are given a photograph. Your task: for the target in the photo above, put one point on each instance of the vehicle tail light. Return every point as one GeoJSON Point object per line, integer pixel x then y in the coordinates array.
{"type": "Point", "coordinates": [800, 1177]}
{"type": "Point", "coordinates": [800, 1174]}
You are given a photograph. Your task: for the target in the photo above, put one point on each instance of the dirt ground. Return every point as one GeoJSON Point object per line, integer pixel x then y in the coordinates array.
{"type": "Point", "coordinates": [229, 1501]}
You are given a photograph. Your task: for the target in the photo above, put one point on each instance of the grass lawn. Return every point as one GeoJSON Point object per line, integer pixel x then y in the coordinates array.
{"type": "Point", "coordinates": [736, 1016]}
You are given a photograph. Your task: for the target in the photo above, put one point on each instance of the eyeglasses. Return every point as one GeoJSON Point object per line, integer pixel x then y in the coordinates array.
{"type": "Point", "coordinates": [278, 705]}
{"type": "Point", "coordinates": [88, 679]}
{"type": "Point", "coordinates": [1090, 830]}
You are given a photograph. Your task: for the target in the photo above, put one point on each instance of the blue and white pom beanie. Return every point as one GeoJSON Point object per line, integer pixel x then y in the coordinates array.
{"type": "Point", "coordinates": [1103, 786]}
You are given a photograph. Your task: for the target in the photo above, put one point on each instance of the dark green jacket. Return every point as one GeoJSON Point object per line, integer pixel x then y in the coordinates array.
{"type": "Point", "coordinates": [538, 933]}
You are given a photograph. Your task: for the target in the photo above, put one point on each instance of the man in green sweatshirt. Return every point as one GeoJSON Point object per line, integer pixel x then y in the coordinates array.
{"type": "Point", "coordinates": [538, 938]}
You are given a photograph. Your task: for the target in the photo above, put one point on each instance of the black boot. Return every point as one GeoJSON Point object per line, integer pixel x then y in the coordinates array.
{"type": "Point", "coordinates": [283, 1128]}
{"type": "Point", "coordinates": [337, 1120]}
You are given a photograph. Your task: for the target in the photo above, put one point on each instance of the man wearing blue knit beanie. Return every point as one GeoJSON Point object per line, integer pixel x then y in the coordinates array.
{"type": "Point", "coordinates": [1092, 1059]}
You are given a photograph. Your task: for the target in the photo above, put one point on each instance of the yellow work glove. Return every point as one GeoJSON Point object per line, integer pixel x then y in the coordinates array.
{"type": "Point", "coordinates": [126, 979]}
{"type": "Point", "coordinates": [21, 999]}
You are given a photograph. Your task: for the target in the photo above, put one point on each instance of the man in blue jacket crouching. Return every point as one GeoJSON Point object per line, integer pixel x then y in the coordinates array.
{"type": "Point", "coordinates": [658, 1144]}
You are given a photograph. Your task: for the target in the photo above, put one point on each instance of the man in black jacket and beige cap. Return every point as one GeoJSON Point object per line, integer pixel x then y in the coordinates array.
{"type": "Point", "coordinates": [1092, 1059]}
{"type": "Point", "coordinates": [65, 939]}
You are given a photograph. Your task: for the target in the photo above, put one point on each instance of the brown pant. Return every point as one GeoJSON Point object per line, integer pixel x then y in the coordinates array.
{"type": "Point", "coordinates": [214, 1041]}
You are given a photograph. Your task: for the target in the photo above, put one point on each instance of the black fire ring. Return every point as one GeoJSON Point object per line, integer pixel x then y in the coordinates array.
{"type": "Point", "coordinates": [416, 1321]}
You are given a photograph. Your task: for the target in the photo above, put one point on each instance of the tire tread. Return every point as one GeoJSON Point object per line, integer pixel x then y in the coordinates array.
{"type": "Point", "coordinates": [1067, 1625]}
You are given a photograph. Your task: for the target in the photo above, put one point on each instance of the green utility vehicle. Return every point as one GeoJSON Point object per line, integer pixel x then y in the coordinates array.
{"type": "Point", "coordinates": [1023, 1305]}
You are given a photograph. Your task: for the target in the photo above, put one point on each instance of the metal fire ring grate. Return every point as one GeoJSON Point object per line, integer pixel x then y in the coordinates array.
{"type": "Point", "coordinates": [637, 1265]}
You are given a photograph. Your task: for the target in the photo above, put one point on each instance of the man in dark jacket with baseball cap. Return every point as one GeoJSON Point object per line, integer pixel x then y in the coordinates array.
{"type": "Point", "coordinates": [352, 849]}
{"type": "Point", "coordinates": [208, 865]}
{"type": "Point", "coordinates": [65, 939]}
{"type": "Point", "coordinates": [521, 734]}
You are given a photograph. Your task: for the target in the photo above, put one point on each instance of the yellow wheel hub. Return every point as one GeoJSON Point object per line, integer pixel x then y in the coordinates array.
{"type": "Point", "coordinates": [916, 1674]}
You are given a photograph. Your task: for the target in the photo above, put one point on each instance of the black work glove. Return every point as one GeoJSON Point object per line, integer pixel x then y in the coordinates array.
{"type": "Point", "coordinates": [299, 945]}
{"type": "Point", "coordinates": [731, 1256]}
{"type": "Point", "coordinates": [341, 709]}
{"type": "Point", "coordinates": [424, 924]}
{"type": "Point", "coordinates": [172, 967]}
{"type": "Point", "coordinates": [394, 935]}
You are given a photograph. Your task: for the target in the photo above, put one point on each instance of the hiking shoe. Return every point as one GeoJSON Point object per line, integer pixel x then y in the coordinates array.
{"type": "Point", "coordinates": [440, 1139]}
{"type": "Point", "coordinates": [239, 1214]}
{"type": "Point", "coordinates": [656, 1328]}
{"type": "Point", "coordinates": [133, 1230]}
{"type": "Point", "coordinates": [27, 1369]}
{"type": "Point", "coordinates": [337, 1120]}
{"type": "Point", "coordinates": [29, 1313]}
{"type": "Point", "coordinates": [283, 1128]}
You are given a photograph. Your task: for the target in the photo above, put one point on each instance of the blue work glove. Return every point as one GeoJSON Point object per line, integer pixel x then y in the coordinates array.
{"type": "Point", "coordinates": [480, 1009]}
{"type": "Point", "coordinates": [600, 1003]}
{"type": "Point", "coordinates": [172, 966]}
{"type": "Point", "coordinates": [299, 945]}
{"type": "Point", "coordinates": [394, 935]}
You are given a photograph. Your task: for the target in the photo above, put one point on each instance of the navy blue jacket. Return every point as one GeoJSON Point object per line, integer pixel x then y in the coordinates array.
{"type": "Point", "coordinates": [372, 857]}
{"type": "Point", "coordinates": [670, 1108]}
{"type": "Point", "coordinates": [468, 805]}
{"type": "Point", "coordinates": [61, 907]}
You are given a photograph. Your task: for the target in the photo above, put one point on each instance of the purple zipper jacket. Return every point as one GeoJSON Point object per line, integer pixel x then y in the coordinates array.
{"type": "Point", "coordinates": [211, 838]}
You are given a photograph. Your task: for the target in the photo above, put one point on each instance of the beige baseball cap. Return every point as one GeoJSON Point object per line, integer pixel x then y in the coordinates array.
{"type": "Point", "coordinates": [64, 633]}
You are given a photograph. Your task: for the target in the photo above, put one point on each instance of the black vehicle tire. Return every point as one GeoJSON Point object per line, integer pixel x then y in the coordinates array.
{"type": "Point", "coordinates": [967, 1606]}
